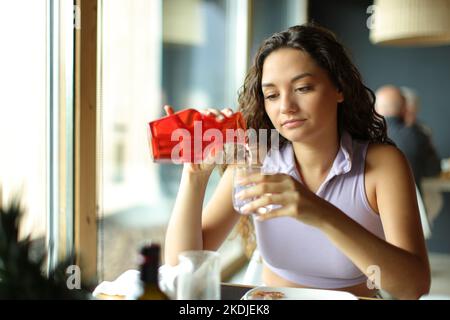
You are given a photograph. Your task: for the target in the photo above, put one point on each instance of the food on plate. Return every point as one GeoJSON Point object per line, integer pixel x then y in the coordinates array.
{"type": "Point", "coordinates": [267, 295]}
{"type": "Point", "coordinates": [104, 296]}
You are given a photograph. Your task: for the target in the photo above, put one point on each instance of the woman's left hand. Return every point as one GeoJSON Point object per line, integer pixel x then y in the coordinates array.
{"type": "Point", "coordinates": [281, 190]}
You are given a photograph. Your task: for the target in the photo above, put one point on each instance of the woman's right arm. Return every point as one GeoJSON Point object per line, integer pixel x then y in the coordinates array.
{"type": "Point", "coordinates": [192, 228]}
{"type": "Point", "coordinates": [184, 231]}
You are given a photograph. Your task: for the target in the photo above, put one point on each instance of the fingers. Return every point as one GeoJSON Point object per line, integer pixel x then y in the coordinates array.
{"type": "Point", "coordinates": [257, 177]}
{"type": "Point", "coordinates": [227, 111]}
{"type": "Point", "coordinates": [220, 115]}
{"type": "Point", "coordinates": [281, 212]}
{"type": "Point", "coordinates": [259, 190]}
{"type": "Point", "coordinates": [260, 204]}
{"type": "Point", "coordinates": [169, 110]}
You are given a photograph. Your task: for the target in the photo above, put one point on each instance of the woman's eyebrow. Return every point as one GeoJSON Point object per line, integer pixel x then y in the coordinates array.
{"type": "Point", "coordinates": [296, 78]}
{"type": "Point", "coordinates": [301, 76]}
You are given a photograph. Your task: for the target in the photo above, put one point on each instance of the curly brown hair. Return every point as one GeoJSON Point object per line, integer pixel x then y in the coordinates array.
{"type": "Point", "coordinates": [356, 114]}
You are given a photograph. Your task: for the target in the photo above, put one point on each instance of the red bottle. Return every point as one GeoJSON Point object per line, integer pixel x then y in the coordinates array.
{"type": "Point", "coordinates": [189, 135]}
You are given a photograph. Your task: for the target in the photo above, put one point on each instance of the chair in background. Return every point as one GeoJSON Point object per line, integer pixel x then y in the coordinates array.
{"type": "Point", "coordinates": [426, 226]}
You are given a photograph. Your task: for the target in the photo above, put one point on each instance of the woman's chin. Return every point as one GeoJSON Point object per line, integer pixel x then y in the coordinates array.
{"type": "Point", "coordinates": [295, 135]}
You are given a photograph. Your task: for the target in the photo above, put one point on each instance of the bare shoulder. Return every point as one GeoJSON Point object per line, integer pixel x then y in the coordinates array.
{"type": "Point", "coordinates": [385, 158]}
{"type": "Point", "coordinates": [388, 173]}
{"type": "Point", "coordinates": [377, 151]}
{"type": "Point", "coordinates": [385, 167]}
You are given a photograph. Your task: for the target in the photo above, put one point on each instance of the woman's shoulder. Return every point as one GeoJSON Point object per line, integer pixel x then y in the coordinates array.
{"type": "Point", "coordinates": [385, 166]}
{"type": "Point", "coordinates": [385, 156]}
{"type": "Point", "coordinates": [376, 149]}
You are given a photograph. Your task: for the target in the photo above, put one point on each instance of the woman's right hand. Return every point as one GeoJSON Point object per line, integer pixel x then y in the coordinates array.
{"type": "Point", "coordinates": [208, 166]}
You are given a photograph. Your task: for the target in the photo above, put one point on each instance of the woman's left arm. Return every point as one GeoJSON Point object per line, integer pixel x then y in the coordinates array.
{"type": "Point", "coordinates": [401, 259]}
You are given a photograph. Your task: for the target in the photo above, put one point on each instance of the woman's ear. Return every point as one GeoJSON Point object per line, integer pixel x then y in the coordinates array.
{"type": "Point", "coordinates": [340, 97]}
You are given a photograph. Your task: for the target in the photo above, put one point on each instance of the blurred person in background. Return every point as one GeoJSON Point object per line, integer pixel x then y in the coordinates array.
{"type": "Point", "coordinates": [412, 108]}
{"type": "Point", "coordinates": [411, 105]}
{"type": "Point", "coordinates": [400, 111]}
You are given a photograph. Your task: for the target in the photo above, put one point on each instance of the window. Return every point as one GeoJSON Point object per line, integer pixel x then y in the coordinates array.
{"type": "Point", "coordinates": [153, 52]}
{"type": "Point", "coordinates": [129, 58]}
{"type": "Point", "coordinates": [272, 16]}
{"type": "Point", "coordinates": [24, 124]}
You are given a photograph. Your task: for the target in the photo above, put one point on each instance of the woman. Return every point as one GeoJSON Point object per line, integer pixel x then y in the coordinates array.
{"type": "Point", "coordinates": [348, 202]}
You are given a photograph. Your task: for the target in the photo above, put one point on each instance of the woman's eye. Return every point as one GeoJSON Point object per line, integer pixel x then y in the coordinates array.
{"type": "Point", "coordinates": [304, 89]}
{"type": "Point", "coordinates": [270, 96]}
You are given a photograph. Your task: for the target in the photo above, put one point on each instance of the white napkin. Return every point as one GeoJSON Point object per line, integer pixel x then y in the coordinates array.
{"type": "Point", "coordinates": [127, 285]}
{"type": "Point", "coordinates": [167, 280]}
{"type": "Point", "coordinates": [434, 297]}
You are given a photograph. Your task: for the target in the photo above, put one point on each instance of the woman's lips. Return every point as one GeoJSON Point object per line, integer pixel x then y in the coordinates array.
{"type": "Point", "coordinates": [293, 123]}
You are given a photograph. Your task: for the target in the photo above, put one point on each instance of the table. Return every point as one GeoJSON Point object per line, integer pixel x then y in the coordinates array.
{"type": "Point", "coordinates": [231, 291]}
{"type": "Point", "coordinates": [433, 189]}
{"type": "Point", "coordinates": [438, 184]}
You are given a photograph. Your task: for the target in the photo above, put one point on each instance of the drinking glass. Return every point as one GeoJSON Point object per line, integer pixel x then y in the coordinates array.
{"type": "Point", "coordinates": [198, 275]}
{"type": "Point", "coordinates": [241, 172]}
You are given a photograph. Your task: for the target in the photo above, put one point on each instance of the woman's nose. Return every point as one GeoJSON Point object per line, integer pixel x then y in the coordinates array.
{"type": "Point", "coordinates": [288, 104]}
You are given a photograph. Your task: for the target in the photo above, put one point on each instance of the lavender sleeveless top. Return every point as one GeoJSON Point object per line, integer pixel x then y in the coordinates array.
{"type": "Point", "coordinates": [303, 254]}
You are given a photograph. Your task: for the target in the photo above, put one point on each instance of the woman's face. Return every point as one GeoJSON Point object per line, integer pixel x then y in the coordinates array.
{"type": "Point", "coordinates": [299, 98]}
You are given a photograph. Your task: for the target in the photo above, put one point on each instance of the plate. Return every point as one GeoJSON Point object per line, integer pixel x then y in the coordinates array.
{"type": "Point", "coordinates": [279, 293]}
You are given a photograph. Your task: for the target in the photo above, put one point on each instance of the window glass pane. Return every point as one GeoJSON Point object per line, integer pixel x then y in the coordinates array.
{"type": "Point", "coordinates": [197, 70]}
{"type": "Point", "coordinates": [23, 110]}
{"type": "Point", "coordinates": [172, 51]}
{"type": "Point", "coordinates": [132, 207]}
{"type": "Point", "coordinates": [271, 16]}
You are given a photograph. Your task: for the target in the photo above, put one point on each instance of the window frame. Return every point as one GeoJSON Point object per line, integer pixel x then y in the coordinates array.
{"type": "Point", "coordinates": [85, 135]}
{"type": "Point", "coordinates": [59, 131]}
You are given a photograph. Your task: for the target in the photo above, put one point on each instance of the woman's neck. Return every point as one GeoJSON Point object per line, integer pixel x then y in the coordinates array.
{"type": "Point", "coordinates": [316, 157]}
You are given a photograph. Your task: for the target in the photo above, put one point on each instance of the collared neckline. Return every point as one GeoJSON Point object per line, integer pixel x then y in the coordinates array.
{"type": "Point", "coordinates": [284, 161]}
